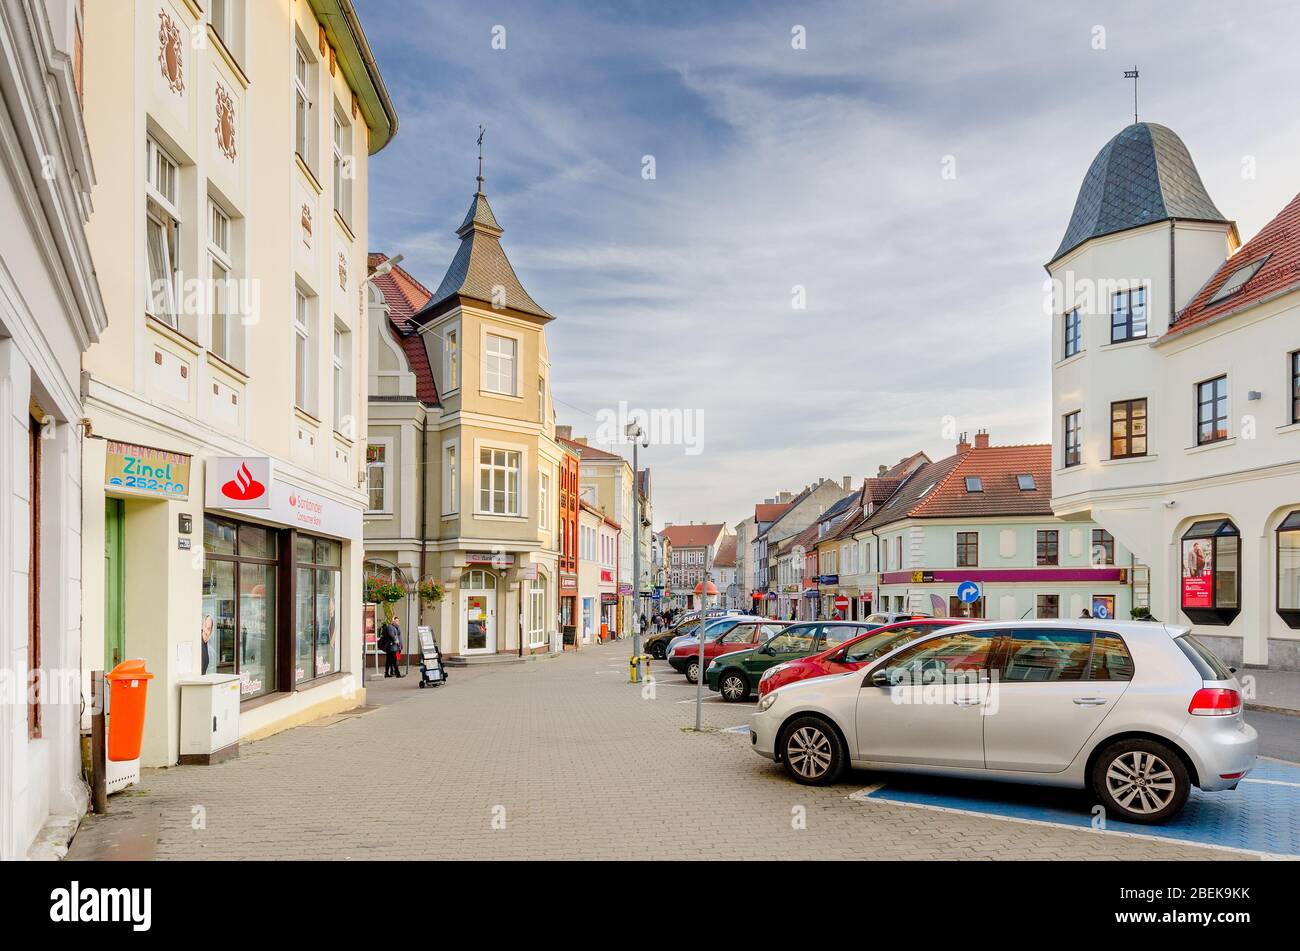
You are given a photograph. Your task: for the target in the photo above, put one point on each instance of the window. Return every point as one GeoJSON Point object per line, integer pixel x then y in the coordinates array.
{"type": "Point", "coordinates": [1072, 334]}
{"type": "Point", "coordinates": [377, 478]}
{"type": "Point", "coordinates": [1128, 315]}
{"type": "Point", "coordinates": [1128, 429]}
{"type": "Point", "coordinates": [544, 500]}
{"type": "Point", "coordinates": [963, 656]}
{"type": "Point", "coordinates": [498, 482]}
{"type": "Point", "coordinates": [1103, 548]}
{"type": "Point", "coordinates": [1237, 280]}
{"type": "Point", "coordinates": [239, 595]}
{"type": "Point", "coordinates": [974, 484]}
{"type": "Point", "coordinates": [451, 361]}
{"type": "Point", "coordinates": [541, 400]}
{"type": "Point", "coordinates": [1026, 483]}
{"type": "Point", "coordinates": [343, 420]}
{"type": "Point", "coordinates": [343, 168]}
{"type": "Point", "coordinates": [303, 356]}
{"type": "Point", "coordinates": [1037, 655]}
{"type": "Point", "coordinates": [537, 611]}
{"type": "Point", "coordinates": [34, 600]}
{"type": "Point", "coordinates": [1110, 658]}
{"type": "Point", "coordinates": [1212, 411]}
{"type": "Point", "coordinates": [1205, 661]}
{"type": "Point", "coordinates": [1288, 569]}
{"type": "Point", "coordinates": [1211, 569]}
{"type": "Point", "coordinates": [317, 575]}
{"type": "Point", "coordinates": [793, 640]}
{"type": "Point", "coordinates": [1073, 440]}
{"type": "Point", "coordinates": [1295, 387]}
{"type": "Point", "coordinates": [451, 479]}
{"type": "Point", "coordinates": [499, 364]}
{"type": "Point", "coordinates": [968, 549]}
{"type": "Point", "coordinates": [1047, 606]}
{"type": "Point", "coordinates": [1048, 547]}
{"type": "Point", "coordinates": [898, 552]}
{"type": "Point", "coordinates": [957, 607]}
{"type": "Point", "coordinates": [223, 330]}
{"type": "Point", "coordinates": [162, 236]}
{"type": "Point", "coordinates": [304, 78]}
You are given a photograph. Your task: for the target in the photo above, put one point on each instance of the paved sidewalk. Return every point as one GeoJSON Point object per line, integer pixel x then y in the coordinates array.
{"type": "Point", "coordinates": [556, 759]}
{"type": "Point", "coordinates": [1275, 690]}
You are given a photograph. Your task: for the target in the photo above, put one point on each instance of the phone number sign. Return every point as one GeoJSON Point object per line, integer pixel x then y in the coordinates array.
{"type": "Point", "coordinates": [141, 470]}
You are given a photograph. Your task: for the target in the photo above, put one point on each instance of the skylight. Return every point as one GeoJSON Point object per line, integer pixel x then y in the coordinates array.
{"type": "Point", "coordinates": [1026, 483]}
{"type": "Point", "coordinates": [1238, 279]}
{"type": "Point", "coordinates": [974, 484]}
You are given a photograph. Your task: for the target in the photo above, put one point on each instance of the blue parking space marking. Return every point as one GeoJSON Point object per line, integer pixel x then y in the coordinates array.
{"type": "Point", "coordinates": [1262, 815]}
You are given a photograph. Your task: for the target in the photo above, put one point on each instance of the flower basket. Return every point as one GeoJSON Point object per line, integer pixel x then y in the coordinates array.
{"type": "Point", "coordinates": [430, 591]}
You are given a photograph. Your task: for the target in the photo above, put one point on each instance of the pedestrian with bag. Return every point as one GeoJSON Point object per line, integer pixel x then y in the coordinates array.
{"type": "Point", "coordinates": [390, 642]}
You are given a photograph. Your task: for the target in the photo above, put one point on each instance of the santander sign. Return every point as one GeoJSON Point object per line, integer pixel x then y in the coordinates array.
{"type": "Point", "coordinates": [243, 487]}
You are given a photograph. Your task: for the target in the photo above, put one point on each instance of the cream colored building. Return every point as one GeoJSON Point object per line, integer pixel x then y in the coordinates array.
{"type": "Point", "coordinates": [463, 466]}
{"type": "Point", "coordinates": [222, 494]}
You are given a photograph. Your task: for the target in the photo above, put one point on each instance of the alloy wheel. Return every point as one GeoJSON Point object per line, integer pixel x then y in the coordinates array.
{"type": "Point", "coordinates": [1140, 782]}
{"type": "Point", "coordinates": [809, 752]}
{"type": "Point", "coordinates": [693, 671]}
{"type": "Point", "coordinates": [733, 688]}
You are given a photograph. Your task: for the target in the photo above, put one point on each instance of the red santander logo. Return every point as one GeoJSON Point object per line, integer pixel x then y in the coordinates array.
{"type": "Point", "coordinates": [243, 487]}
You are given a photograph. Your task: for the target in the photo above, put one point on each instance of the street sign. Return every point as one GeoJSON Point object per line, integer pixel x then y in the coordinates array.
{"type": "Point", "coordinates": [968, 592]}
{"type": "Point", "coordinates": [841, 603]}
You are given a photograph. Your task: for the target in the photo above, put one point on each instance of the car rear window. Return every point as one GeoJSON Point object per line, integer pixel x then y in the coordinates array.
{"type": "Point", "coordinates": [1203, 659]}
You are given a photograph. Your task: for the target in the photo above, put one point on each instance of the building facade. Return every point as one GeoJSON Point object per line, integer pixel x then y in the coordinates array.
{"type": "Point", "coordinates": [462, 438]}
{"type": "Point", "coordinates": [692, 551]}
{"type": "Point", "coordinates": [1176, 395]}
{"type": "Point", "coordinates": [51, 311]}
{"type": "Point", "coordinates": [221, 497]}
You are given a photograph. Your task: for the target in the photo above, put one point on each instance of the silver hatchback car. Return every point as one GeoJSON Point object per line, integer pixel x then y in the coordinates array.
{"type": "Point", "coordinates": [1138, 712]}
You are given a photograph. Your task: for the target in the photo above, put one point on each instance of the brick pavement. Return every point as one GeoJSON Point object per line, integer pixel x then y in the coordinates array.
{"type": "Point", "coordinates": [581, 767]}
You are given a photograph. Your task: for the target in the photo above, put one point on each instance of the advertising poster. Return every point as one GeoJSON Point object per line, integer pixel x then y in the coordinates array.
{"type": "Point", "coordinates": [1198, 573]}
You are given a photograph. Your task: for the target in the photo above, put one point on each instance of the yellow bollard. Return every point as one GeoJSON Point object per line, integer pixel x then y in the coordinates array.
{"type": "Point", "coordinates": [632, 667]}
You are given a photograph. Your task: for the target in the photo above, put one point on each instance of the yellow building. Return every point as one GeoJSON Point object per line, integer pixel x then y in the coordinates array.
{"type": "Point", "coordinates": [221, 486]}
{"type": "Point", "coordinates": [463, 466]}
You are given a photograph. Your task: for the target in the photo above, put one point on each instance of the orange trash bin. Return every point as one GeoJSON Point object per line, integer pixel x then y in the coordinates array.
{"type": "Point", "coordinates": [128, 684]}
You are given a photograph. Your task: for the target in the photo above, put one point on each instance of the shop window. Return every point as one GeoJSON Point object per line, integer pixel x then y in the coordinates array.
{"type": "Point", "coordinates": [317, 576]}
{"type": "Point", "coordinates": [1288, 569]}
{"type": "Point", "coordinates": [956, 607]}
{"type": "Point", "coordinates": [239, 596]}
{"type": "Point", "coordinates": [1211, 572]}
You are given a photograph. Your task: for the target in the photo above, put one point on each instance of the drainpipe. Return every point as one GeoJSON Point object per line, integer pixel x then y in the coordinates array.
{"type": "Point", "coordinates": [424, 497]}
{"type": "Point", "coordinates": [1172, 284]}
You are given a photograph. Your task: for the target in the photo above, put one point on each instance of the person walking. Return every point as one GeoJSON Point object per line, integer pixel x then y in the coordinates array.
{"type": "Point", "coordinates": [390, 642]}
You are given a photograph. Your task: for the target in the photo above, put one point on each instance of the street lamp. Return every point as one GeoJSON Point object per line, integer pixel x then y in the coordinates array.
{"type": "Point", "coordinates": [636, 434]}
{"type": "Point", "coordinates": [699, 680]}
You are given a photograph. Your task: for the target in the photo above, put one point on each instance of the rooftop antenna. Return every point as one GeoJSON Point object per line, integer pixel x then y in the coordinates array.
{"type": "Point", "coordinates": [1128, 74]}
{"type": "Point", "coordinates": [480, 159]}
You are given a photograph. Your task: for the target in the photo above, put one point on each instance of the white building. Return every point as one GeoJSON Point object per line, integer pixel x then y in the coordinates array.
{"type": "Point", "coordinates": [1176, 395]}
{"type": "Point", "coordinates": [50, 312]}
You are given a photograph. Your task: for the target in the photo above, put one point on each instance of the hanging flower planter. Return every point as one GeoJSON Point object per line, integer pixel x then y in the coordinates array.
{"type": "Point", "coordinates": [384, 590]}
{"type": "Point", "coordinates": [430, 591]}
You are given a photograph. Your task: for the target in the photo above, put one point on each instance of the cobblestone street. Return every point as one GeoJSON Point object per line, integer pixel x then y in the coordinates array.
{"type": "Point", "coordinates": [555, 759]}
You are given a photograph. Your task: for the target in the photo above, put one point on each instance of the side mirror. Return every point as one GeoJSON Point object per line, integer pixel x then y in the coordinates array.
{"type": "Point", "coordinates": [880, 678]}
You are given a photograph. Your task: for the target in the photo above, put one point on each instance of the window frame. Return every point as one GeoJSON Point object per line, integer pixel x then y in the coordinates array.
{"type": "Point", "coordinates": [1129, 438]}
{"type": "Point", "coordinates": [1131, 314]}
{"type": "Point", "coordinates": [385, 444]}
{"type": "Point", "coordinates": [1295, 387]}
{"type": "Point", "coordinates": [162, 210]}
{"type": "Point", "coordinates": [276, 683]}
{"type": "Point", "coordinates": [305, 76]}
{"type": "Point", "coordinates": [1214, 531]}
{"type": "Point", "coordinates": [1106, 543]}
{"type": "Point", "coordinates": [491, 469]}
{"type": "Point", "coordinates": [1047, 544]}
{"type": "Point", "coordinates": [1055, 600]}
{"type": "Point", "coordinates": [1214, 400]}
{"type": "Point", "coordinates": [451, 478]}
{"type": "Point", "coordinates": [499, 372]}
{"type": "Point", "coordinates": [220, 257]}
{"type": "Point", "coordinates": [304, 318]}
{"type": "Point", "coordinates": [451, 360]}
{"type": "Point", "coordinates": [965, 542]}
{"type": "Point", "coordinates": [1071, 333]}
{"type": "Point", "coordinates": [1289, 525]}
{"type": "Point", "coordinates": [343, 153]}
{"type": "Point", "coordinates": [1072, 448]}
{"type": "Point", "coordinates": [341, 379]}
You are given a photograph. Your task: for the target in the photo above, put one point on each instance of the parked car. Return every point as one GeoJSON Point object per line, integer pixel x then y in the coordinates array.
{"type": "Point", "coordinates": [745, 635]}
{"type": "Point", "coordinates": [656, 645]}
{"type": "Point", "coordinates": [736, 675]}
{"type": "Point", "coordinates": [712, 628]}
{"type": "Point", "coordinates": [851, 655]}
{"type": "Point", "coordinates": [893, 617]}
{"type": "Point", "coordinates": [1138, 712]}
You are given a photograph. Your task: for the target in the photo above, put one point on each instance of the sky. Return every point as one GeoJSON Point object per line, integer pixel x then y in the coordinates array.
{"type": "Point", "coordinates": [836, 255]}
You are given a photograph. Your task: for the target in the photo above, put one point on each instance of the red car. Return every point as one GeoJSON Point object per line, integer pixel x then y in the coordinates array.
{"type": "Point", "coordinates": [851, 655]}
{"type": "Point", "coordinates": [746, 635]}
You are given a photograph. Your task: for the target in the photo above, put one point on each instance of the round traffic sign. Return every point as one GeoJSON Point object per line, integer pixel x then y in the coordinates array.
{"type": "Point", "coordinates": [968, 592]}
{"type": "Point", "coordinates": [841, 603]}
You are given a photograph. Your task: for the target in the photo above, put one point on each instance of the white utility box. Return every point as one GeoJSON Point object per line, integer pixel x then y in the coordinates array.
{"type": "Point", "coordinates": [209, 719]}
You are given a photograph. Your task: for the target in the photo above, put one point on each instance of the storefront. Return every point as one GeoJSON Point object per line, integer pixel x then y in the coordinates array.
{"type": "Point", "coordinates": [570, 616]}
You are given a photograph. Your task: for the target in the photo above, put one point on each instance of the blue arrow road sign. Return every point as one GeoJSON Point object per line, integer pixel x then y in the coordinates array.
{"type": "Point", "coordinates": [968, 592]}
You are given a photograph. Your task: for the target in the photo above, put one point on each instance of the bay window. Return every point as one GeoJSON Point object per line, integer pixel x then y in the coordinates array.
{"type": "Point", "coordinates": [1288, 569]}
{"type": "Point", "coordinates": [1211, 572]}
{"type": "Point", "coordinates": [500, 356]}
{"type": "Point", "coordinates": [499, 474]}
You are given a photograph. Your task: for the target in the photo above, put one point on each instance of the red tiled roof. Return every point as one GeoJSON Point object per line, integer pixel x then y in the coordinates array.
{"type": "Point", "coordinates": [726, 557]}
{"type": "Point", "coordinates": [901, 469]}
{"type": "Point", "coordinates": [404, 296]}
{"type": "Point", "coordinates": [1279, 242]}
{"type": "Point", "coordinates": [692, 536]}
{"type": "Point", "coordinates": [997, 468]}
{"type": "Point", "coordinates": [806, 538]}
{"type": "Point", "coordinates": [586, 451]}
{"type": "Point", "coordinates": [770, 512]}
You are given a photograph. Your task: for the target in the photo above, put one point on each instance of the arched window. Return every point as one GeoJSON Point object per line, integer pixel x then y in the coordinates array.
{"type": "Point", "coordinates": [478, 580]}
{"type": "Point", "coordinates": [1211, 572]}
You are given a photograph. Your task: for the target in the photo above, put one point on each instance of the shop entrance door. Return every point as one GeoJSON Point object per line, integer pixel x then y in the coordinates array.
{"type": "Point", "coordinates": [114, 585]}
{"type": "Point", "coordinates": [478, 620]}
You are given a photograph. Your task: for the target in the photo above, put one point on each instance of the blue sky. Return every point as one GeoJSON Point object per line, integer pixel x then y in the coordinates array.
{"type": "Point", "coordinates": [819, 168]}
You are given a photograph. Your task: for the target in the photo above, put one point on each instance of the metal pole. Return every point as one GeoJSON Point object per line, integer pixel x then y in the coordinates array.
{"type": "Point", "coordinates": [98, 751]}
{"type": "Point", "coordinates": [641, 673]}
{"type": "Point", "coordinates": [699, 681]}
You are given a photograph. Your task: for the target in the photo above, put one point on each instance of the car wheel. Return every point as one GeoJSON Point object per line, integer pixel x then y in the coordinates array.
{"type": "Point", "coordinates": [693, 672]}
{"type": "Point", "coordinates": [657, 651]}
{"type": "Point", "coordinates": [812, 752]}
{"type": "Point", "coordinates": [734, 687]}
{"type": "Point", "coordinates": [1140, 781]}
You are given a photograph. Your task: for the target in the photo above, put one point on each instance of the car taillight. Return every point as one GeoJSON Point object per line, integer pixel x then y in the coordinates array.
{"type": "Point", "coordinates": [1215, 702]}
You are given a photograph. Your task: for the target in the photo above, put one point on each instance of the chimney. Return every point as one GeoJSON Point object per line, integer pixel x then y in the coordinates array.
{"type": "Point", "coordinates": [882, 470]}
{"type": "Point", "coordinates": [982, 439]}
{"type": "Point", "coordinates": [963, 445]}
{"type": "Point", "coordinates": [848, 483]}
{"type": "Point", "coordinates": [581, 440]}
{"type": "Point", "coordinates": [563, 432]}
{"type": "Point", "coordinates": [783, 498]}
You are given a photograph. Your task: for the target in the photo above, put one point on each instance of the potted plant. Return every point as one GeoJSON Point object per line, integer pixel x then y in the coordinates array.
{"type": "Point", "coordinates": [430, 591]}
{"type": "Point", "coordinates": [385, 591]}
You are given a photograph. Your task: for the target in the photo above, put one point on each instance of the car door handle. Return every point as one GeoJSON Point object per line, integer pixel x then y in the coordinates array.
{"type": "Point", "coordinates": [968, 701]}
{"type": "Point", "coordinates": [1089, 701]}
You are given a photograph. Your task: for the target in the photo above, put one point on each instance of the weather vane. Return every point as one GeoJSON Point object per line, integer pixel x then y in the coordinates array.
{"type": "Point", "coordinates": [480, 157]}
{"type": "Point", "coordinates": [1128, 74]}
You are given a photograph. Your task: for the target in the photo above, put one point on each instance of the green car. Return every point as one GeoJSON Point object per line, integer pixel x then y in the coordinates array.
{"type": "Point", "coordinates": [736, 675]}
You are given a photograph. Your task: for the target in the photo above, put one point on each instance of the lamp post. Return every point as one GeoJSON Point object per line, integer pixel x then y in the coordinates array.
{"type": "Point", "coordinates": [699, 680]}
{"type": "Point", "coordinates": [636, 434]}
